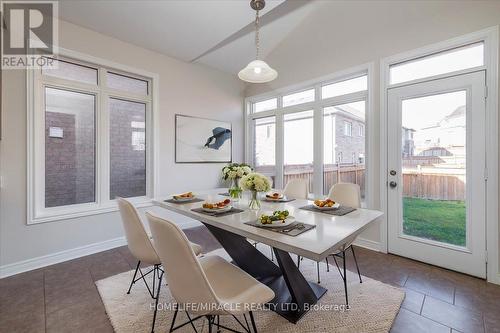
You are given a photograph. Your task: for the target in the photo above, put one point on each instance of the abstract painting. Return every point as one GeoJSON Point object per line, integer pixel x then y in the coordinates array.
{"type": "Point", "coordinates": [200, 140]}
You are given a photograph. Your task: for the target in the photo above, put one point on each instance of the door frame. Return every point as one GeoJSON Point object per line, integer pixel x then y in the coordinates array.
{"type": "Point", "coordinates": [490, 38]}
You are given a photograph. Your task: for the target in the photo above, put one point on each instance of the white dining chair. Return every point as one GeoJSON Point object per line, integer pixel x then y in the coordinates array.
{"type": "Point", "coordinates": [296, 188]}
{"type": "Point", "coordinates": [142, 249]}
{"type": "Point", "coordinates": [346, 194]}
{"type": "Point", "coordinates": [206, 286]}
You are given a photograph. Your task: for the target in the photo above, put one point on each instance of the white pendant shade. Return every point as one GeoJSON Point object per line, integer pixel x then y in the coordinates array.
{"type": "Point", "coordinates": [257, 71]}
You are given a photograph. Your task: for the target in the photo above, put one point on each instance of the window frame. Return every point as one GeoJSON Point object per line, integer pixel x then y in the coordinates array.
{"type": "Point", "coordinates": [317, 105]}
{"type": "Point", "coordinates": [36, 84]}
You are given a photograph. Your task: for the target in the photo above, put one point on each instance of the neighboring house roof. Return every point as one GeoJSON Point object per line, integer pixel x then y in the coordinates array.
{"type": "Point", "coordinates": [454, 115]}
{"type": "Point", "coordinates": [349, 112]}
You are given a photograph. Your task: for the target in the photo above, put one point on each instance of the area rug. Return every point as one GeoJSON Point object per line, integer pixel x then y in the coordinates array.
{"type": "Point", "coordinates": [373, 306]}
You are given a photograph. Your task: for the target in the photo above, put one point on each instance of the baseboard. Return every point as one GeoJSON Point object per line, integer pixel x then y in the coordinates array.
{"type": "Point", "coordinates": [55, 258]}
{"type": "Point", "coordinates": [58, 257]}
{"type": "Point", "coordinates": [367, 244]}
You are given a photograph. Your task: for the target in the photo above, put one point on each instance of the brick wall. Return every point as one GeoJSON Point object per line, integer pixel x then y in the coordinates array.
{"type": "Point", "coordinates": [348, 145]}
{"type": "Point", "coordinates": [128, 160]}
{"type": "Point", "coordinates": [69, 161]}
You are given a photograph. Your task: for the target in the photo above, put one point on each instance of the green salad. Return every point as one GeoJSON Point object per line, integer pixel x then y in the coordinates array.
{"type": "Point", "coordinates": [278, 215]}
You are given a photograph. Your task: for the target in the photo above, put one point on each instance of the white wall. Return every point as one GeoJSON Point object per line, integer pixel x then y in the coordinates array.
{"type": "Point", "coordinates": [342, 34]}
{"type": "Point", "coordinates": [184, 88]}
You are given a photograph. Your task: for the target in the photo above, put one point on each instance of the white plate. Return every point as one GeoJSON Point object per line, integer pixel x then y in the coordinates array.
{"type": "Point", "coordinates": [335, 206]}
{"type": "Point", "coordinates": [275, 199]}
{"type": "Point", "coordinates": [289, 220]}
{"type": "Point", "coordinates": [180, 199]}
{"type": "Point", "coordinates": [217, 210]}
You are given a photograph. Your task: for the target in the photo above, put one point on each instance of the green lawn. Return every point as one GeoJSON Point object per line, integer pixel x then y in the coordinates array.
{"type": "Point", "coordinates": [442, 221]}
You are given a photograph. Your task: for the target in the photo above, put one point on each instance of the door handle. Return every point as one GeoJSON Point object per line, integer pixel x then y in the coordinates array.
{"type": "Point", "coordinates": [393, 184]}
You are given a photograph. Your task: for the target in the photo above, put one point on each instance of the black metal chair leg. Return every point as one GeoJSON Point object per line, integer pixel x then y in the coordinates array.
{"type": "Point", "coordinates": [133, 279]}
{"type": "Point", "coordinates": [327, 265]}
{"type": "Point", "coordinates": [356, 262]}
{"type": "Point", "coordinates": [253, 322]}
{"type": "Point", "coordinates": [157, 297]}
{"type": "Point", "coordinates": [173, 319]}
{"type": "Point", "coordinates": [191, 322]}
{"type": "Point", "coordinates": [209, 324]}
{"type": "Point", "coordinates": [317, 269]}
{"type": "Point", "coordinates": [345, 279]}
{"type": "Point", "coordinates": [298, 261]}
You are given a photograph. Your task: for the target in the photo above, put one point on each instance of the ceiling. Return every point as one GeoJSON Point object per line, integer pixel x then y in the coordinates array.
{"type": "Point", "coordinates": [218, 33]}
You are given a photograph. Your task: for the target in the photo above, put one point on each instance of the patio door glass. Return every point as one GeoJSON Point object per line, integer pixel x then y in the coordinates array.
{"type": "Point", "coordinates": [436, 172]}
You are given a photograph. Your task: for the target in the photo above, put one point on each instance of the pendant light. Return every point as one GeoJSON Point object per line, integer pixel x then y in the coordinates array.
{"type": "Point", "coordinates": [257, 71]}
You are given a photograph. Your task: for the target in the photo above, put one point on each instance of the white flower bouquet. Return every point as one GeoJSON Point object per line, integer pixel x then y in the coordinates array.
{"type": "Point", "coordinates": [234, 171]}
{"type": "Point", "coordinates": [255, 182]}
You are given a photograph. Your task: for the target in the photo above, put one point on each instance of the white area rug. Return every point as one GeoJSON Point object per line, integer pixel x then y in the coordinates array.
{"type": "Point", "coordinates": [373, 306]}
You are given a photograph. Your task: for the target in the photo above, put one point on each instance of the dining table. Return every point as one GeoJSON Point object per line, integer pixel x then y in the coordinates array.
{"type": "Point", "coordinates": [294, 295]}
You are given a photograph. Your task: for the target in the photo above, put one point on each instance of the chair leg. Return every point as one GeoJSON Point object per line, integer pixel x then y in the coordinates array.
{"type": "Point", "coordinates": [157, 296]}
{"type": "Point", "coordinates": [173, 319]}
{"type": "Point", "coordinates": [356, 262]}
{"type": "Point", "coordinates": [253, 322]}
{"type": "Point", "coordinates": [209, 324]}
{"type": "Point", "coordinates": [345, 279]}
{"type": "Point", "coordinates": [298, 261]}
{"type": "Point", "coordinates": [327, 265]}
{"type": "Point", "coordinates": [317, 269]}
{"type": "Point", "coordinates": [133, 279]}
{"type": "Point", "coordinates": [191, 322]}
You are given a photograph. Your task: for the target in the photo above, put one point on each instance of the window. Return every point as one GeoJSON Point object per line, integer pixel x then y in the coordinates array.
{"type": "Point", "coordinates": [72, 71]}
{"type": "Point", "coordinates": [265, 145]}
{"type": "Point", "coordinates": [268, 104]}
{"type": "Point", "coordinates": [361, 130]}
{"type": "Point", "coordinates": [126, 83]}
{"type": "Point", "coordinates": [127, 148]}
{"type": "Point", "coordinates": [298, 98]}
{"type": "Point", "coordinates": [347, 128]}
{"type": "Point", "coordinates": [285, 140]}
{"type": "Point", "coordinates": [343, 155]}
{"type": "Point", "coordinates": [69, 147]}
{"type": "Point", "coordinates": [464, 57]}
{"type": "Point", "coordinates": [345, 87]}
{"type": "Point", "coordinates": [298, 146]}
{"type": "Point", "coordinates": [91, 139]}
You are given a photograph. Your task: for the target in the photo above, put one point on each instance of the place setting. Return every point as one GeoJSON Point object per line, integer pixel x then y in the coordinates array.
{"type": "Point", "coordinates": [277, 197]}
{"type": "Point", "coordinates": [184, 198]}
{"type": "Point", "coordinates": [282, 222]}
{"type": "Point", "coordinates": [217, 208]}
{"type": "Point", "coordinates": [328, 206]}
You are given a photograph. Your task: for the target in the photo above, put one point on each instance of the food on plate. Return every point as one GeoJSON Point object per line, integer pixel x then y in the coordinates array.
{"type": "Point", "coordinates": [324, 203]}
{"type": "Point", "coordinates": [274, 195]}
{"type": "Point", "coordinates": [278, 215]}
{"type": "Point", "coordinates": [217, 205]}
{"type": "Point", "coordinates": [187, 195]}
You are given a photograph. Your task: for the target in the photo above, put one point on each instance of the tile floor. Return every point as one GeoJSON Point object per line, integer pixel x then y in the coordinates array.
{"type": "Point", "coordinates": [64, 298]}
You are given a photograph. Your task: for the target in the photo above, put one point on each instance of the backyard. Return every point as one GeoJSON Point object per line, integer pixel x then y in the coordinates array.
{"type": "Point", "coordinates": [438, 220]}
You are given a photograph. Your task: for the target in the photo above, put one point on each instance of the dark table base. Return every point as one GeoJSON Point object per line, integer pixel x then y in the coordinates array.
{"type": "Point", "coordinates": [294, 294]}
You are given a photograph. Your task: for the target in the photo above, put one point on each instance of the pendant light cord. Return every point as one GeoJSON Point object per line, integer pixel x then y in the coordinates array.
{"type": "Point", "coordinates": [257, 40]}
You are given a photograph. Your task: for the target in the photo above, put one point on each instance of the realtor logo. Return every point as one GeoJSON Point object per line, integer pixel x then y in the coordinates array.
{"type": "Point", "coordinates": [29, 33]}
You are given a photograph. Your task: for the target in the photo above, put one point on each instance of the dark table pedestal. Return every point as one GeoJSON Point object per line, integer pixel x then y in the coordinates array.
{"type": "Point", "coordinates": [294, 294]}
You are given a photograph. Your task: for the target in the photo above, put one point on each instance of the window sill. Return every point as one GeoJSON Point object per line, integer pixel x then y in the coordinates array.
{"type": "Point", "coordinates": [66, 214]}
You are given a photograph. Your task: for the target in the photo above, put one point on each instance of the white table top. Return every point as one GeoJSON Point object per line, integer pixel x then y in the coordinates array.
{"type": "Point", "coordinates": [331, 232]}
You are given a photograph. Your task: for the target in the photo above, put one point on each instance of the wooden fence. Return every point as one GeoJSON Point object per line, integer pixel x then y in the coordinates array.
{"type": "Point", "coordinates": [428, 183]}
